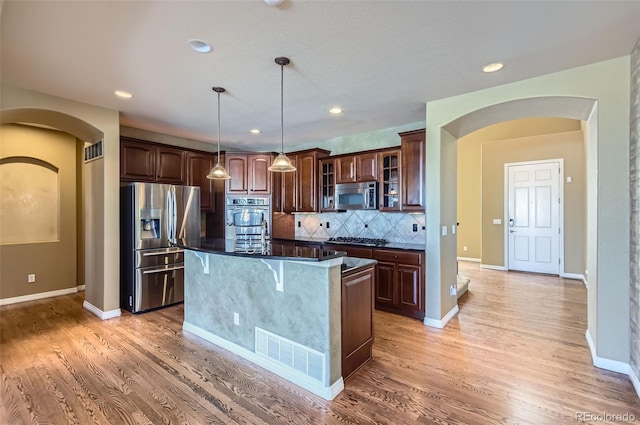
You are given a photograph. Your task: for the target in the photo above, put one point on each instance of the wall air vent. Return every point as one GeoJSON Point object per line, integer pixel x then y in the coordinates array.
{"type": "Point", "coordinates": [290, 354]}
{"type": "Point", "coordinates": [93, 152]}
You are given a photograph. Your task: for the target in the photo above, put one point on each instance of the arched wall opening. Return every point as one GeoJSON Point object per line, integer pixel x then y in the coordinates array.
{"type": "Point", "coordinates": [100, 184]}
{"type": "Point", "coordinates": [596, 94]}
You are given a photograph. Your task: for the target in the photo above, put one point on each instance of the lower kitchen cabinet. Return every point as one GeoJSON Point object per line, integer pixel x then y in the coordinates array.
{"type": "Point", "coordinates": [400, 282]}
{"type": "Point", "coordinates": [357, 320]}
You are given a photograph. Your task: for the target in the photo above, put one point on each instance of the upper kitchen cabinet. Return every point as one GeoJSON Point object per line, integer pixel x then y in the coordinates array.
{"type": "Point", "coordinates": [199, 164]}
{"type": "Point", "coordinates": [390, 176]}
{"type": "Point", "coordinates": [249, 173]}
{"type": "Point", "coordinates": [413, 169]}
{"type": "Point", "coordinates": [307, 179]}
{"type": "Point", "coordinates": [284, 189]}
{"type": "Point", "coordinates": [297, 191]}
{"type": "Point", "coordinates": [147, 162]}
{"type": "Point", "coordinates": [327, 184]}
{"type": "Point", "coordinates": [362, 167]}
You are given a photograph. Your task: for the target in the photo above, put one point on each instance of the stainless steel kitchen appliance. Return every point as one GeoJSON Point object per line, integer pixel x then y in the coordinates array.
{"type": "Point", "coordinates": [248, 222]}
{"type": "Point", "coordinates": [350, 240]}
{"type": "Point", "coordinates": [151, 270]}
{"type": "Point", "coordinates": [357, 196]}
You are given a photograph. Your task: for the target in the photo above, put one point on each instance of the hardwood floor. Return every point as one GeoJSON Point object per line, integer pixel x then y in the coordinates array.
{"type": "Point", "coordinates": [515, 354]}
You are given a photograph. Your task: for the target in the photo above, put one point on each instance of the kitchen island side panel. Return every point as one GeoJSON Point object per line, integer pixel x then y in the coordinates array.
{"type": "Point", "coordinates": [306, 312]}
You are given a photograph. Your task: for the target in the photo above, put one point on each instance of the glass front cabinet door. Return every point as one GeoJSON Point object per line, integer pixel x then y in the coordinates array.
{"type": "Point", "coordinates": [390, 181]}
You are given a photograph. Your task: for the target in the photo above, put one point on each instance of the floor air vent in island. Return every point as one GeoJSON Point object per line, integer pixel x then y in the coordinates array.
{"type": "Point", "coordinates": [290, 354]}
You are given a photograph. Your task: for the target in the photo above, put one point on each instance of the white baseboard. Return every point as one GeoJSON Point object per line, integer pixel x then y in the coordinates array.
{"type": "Point", "coordinates": [490, 267]}
{"type": "Point", "coordinates": [81, 287]}
{"type": "Point", "coordinates": [440, 324]}
{"type": "Point", "coordinates": [103, 315]}
{"type": "Point", "coordinates": [612, 365]}
{"type": "Point", "coordinates": [39, 296]}
{"type": "Point", "coordinates": [575, 276]}
{"type": "Point", "coordinates": [635, 381]}
{"type": "Point", "coordinates": [470, 259]}
{"type": "Point", "coordinates": [293, 376]}
{"type": "Point", "coordinates": [586, 282]}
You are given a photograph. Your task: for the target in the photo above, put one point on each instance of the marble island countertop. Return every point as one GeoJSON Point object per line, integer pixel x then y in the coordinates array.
{"type": "Point", "coordinates": [273, 249]}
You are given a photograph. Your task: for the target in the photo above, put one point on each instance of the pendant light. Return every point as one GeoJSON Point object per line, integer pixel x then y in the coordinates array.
{"type": "Point", "coordinates": [282, 164]}
{"type": "Point", "coordinates": [218, 172]}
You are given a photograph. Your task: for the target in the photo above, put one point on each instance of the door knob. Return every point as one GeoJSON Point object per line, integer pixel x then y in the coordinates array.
{"type": "Point", "coordinates": [512, 231]}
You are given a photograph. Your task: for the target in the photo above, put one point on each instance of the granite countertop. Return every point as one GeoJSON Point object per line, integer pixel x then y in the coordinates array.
{"type": "Point", "coordinates": [351, 265]}
{"type": "Point", "coordinates": [390, 245]}
{"type": "Point", "coordinates": [273, 250]}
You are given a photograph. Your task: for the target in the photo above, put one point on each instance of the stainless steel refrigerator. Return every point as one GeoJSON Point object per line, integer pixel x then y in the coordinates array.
{"type": "Point", "coordinates": [151, 270]}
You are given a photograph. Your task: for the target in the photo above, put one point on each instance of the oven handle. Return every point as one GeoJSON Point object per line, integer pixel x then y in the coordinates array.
{"type": "Point", "coordinates": [168, 269]}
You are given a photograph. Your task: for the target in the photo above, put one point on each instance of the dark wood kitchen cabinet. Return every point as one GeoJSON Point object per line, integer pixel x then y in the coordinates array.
{"type": "Point", "coordinates": [297, 191]}
{"type": "Point", "coordinates": [199, 164]}
{"type": "Point", "coordinates": [412, 145]}
{"type": "Point", "coordinates": [249, 173]}
{"type": "Point", "coordinates": [362, 167]}
{"type": "Point", "coordinates": [149, 162]}
{"type": "Point", "coordinates": [357, 320]}
{"type": "Point", "coordinates": [327, 184]}
{"type": "Point", "coordinates": [390, 176]}
{"type": "Point", "coordinates": [400, 282]}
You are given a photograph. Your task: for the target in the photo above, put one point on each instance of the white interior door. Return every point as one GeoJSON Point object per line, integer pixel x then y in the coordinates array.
{"type": "Point", "coordinates": [533, 222]}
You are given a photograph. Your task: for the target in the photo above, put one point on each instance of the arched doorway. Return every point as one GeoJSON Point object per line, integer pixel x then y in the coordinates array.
{"type": "Point", "coordinates": [98, 296]}
{"type": "Point", "coordinates": [598, 95]}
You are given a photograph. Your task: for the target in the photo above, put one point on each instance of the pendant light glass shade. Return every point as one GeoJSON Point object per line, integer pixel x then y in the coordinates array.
{"type": "Point", "coordinates": [218, 172]}
{"type": "Point", "coordinates": [282, 164]}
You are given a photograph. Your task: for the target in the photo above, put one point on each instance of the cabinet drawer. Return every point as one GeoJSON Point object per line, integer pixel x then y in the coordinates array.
{"type": "Point", "coordinates": [402, 257]}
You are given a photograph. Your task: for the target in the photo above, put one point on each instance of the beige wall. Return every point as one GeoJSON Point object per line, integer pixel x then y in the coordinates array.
{"type": "Point", "coordinates": [101, 181]}
{"type": "Point", "coordinates": [470, 166]}
{"type": "Point", "coordinates": [597, 93]}
{"type": "Point", "coordinates": [568, 146]}
{"type": "Point", "coordinates": [52, 261]}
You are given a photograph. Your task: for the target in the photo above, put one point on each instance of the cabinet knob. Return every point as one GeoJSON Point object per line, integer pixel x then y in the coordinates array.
{"type": "Point", "coordinates": [395, 256]}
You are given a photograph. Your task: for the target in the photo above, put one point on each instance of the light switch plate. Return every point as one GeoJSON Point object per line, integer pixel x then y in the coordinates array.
{"type": "Point", "coordinates": [497, 221]}
{"type": "Point", "coordinates": [444, 230]}
{"type": "Point", "coordinates": [453, 229]}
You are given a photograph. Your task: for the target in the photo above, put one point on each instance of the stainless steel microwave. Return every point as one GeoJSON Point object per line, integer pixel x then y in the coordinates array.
{"type": "Point", "coordinates": [357, 196]}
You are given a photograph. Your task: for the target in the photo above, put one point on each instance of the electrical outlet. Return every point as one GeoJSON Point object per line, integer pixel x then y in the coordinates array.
{"type": "Point", "coordinates": [236, 319]}
{"type": "Point", "coordinates": [453, 291]}
{"type": "Point", "coordinates": [31, 278]}
{"type": "Point", "coordinates": [415, 227]}
{"type": "Point", "coordinates": [464, 248]}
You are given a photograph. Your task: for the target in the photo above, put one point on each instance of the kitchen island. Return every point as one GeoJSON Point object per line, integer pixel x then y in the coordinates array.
{"type": "Point", "coordinates": [277, 308]}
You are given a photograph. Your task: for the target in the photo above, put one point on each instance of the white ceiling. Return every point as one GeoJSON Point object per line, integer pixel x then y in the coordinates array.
{"type": "Point", "coordinates": [379, 60]}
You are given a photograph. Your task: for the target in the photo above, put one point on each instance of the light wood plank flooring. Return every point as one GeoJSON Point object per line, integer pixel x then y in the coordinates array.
{"type": "Point", "coordinates": [515, 354]}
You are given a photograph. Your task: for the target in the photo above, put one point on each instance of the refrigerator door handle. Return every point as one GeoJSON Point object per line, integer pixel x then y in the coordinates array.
{"type": "Point", "coordinates": [168, 269]}
{"type": "Point", "coordinates": [149, 254]}
{"type": "Point", "coordinates": [171, 214]}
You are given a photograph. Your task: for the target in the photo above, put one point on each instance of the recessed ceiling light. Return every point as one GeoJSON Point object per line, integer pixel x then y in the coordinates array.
{"type": "Point", "coordinates": [493, 67]}
{"type": "Point", "coordinates": [199, 45]}
{"type": "Point", "coordinates": [274, 2]}
{"type": "Point", "coordinates": [254, 131]}
{"type": "Point", "coordinates": [123, 94]}
{"type": "Point", "coordinates": [335, 110]}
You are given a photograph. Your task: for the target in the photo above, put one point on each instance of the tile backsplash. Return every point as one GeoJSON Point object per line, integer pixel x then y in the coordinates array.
{"type": "Point", "coordinates": [395, 227]}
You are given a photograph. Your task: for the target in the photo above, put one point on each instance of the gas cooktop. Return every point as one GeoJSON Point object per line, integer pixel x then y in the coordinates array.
{"type": "Point", "coordinates": [359, 241]}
